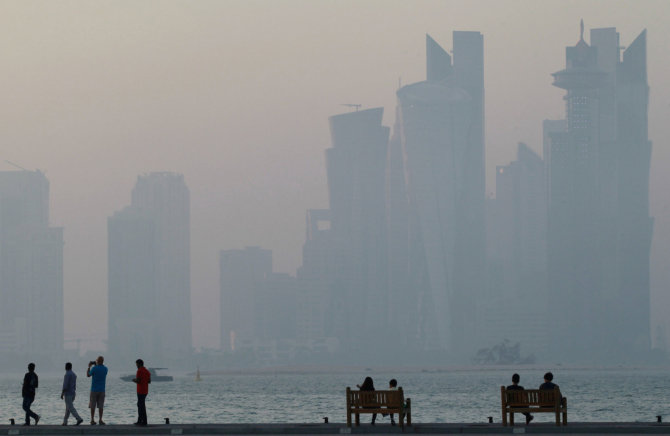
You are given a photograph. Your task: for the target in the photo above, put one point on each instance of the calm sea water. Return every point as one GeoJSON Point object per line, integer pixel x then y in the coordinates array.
{"type": "Point", "coordinates": [445, 396]}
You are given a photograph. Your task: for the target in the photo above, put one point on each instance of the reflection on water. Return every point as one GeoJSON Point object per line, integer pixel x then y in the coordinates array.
{"type": "Point", "coordinates": [450, 396]}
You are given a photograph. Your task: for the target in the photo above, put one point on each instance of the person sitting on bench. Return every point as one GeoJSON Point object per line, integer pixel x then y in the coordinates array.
{"type": "Point", "coordinates": [515, 387]}
{"type": "Point", "coordinates": [368, 385]}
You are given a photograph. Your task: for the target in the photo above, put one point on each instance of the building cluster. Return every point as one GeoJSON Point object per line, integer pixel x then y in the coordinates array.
{"type": "Point", "coordinates": [411, 258]}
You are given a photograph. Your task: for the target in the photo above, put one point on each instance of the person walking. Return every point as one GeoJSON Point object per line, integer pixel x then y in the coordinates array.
{"type": "Point", "coordinates": [142, 379]}
{"type": "Point", "coordinates": [30, 383]}
{"type": "Point", "coordinates": [68, 394]}
{"type": "Point", "coordinates": [98, 373]}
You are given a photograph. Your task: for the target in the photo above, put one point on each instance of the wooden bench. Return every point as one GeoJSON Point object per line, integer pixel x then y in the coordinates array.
{"type": "Point", "coordinates": [533, 401]}
{"type": "Point", "coordinates": [379, 402]}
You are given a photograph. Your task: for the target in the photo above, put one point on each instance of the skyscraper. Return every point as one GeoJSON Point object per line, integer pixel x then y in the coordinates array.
{"type": "Point", "coordinates": [356, 165]}
{"type": "Point", "coordinates": [323, 306]}
{"type": "Point", "coordinates": [149, 263]}
{"type": "Point", "coordinates": [242, 273]}
{"type": "Point", "coordinates": [403, 303]}
{"type": "Point", "coordinates": [599, 228]}
{"type": "Point", "coordinates": [442, 136]}
{"type": "Point", "coordinates": [31, 266]}
{"type": "Point", "coordinates": [516, 306]}
{"type": "Point", "coordinates": [133, 285]}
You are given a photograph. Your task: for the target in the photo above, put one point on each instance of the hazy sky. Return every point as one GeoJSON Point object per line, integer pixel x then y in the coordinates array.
{"type": "Point", "coordinates": [236, 95]}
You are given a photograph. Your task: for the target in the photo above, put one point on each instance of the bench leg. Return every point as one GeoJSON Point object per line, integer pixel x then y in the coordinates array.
{"type": "Point", "coordinates": [504, 418]}
{"type": "Point", "coordinates": [511, 419]}
{"type": "Point", "coordinates": [348, 419]}
{"type": "Point", "coordinates": [565, 418]}
{"type": "Point", "coordinates": [358, 420]}
{"type": "Point", "coordinates": [408, 411]}
{"type": "Point", "coordinates": [558, 418]}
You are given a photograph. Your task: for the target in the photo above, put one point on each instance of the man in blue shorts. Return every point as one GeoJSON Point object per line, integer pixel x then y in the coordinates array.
{"type": "Point", "coordinates": [98, 372]}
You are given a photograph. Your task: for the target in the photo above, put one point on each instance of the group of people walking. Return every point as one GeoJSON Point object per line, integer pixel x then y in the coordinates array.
{"type": "Point", "coordinates": [98, 373]}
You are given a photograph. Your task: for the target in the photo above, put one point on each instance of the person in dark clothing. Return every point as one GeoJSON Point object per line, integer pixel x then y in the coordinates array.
{"type": "Point", "coordinates": [548, 385]}
{"type": "Point", "coordinates": [30, 383]}
{"type": "Point", "coordinates": [515, 387]}
{"type": "Point", "coordinates": [368, 385]}
{"type": "Point", "coordinates": [393, 386]}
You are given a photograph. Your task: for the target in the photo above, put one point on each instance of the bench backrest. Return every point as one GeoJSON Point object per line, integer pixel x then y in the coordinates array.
{"type": "Point", "coordinates": [361, 399]}
{"type": "Point", "coordinates": [532, 397]}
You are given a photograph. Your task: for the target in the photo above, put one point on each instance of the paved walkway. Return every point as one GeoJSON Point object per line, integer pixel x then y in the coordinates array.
{"type": "Point", "coordinates": [340, 428]}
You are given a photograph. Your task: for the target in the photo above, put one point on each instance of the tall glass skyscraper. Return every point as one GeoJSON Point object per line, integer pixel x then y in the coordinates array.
{"type": "Point", "coordinates": [442, 137]}
{"type": "Point", "coordinates": [149, 270]}
{"type": "Point", "coordinates": [31, 267]}
{"type": "Point", "coordinates": [599, 228]}
{"type": "Point", "coordinates": [356, 165]}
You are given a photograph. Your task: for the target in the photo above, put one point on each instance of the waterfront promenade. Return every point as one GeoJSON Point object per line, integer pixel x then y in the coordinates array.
{"type": "Point", "coordinates": [340, 428]}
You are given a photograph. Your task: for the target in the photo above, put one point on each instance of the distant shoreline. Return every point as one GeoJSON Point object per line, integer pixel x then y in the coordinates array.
{"type": "Point", "coordinates": [339, 369]}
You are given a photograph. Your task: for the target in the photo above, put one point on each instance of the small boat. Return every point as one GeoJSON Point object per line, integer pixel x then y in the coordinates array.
{"type": "Point", "coordinates": [197, 375]}
{"type": "Point", "coordinates": [154, 376]}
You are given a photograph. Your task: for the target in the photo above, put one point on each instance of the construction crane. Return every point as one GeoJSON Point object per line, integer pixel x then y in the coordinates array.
{"type": "Point", "coordinates": [357, 106]}
{"type": "Point", "coordinates": [15, 165]}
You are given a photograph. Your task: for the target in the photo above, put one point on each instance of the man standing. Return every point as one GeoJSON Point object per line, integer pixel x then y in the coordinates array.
{"type": "Point", "coordinates": [142, 378]}
{"type": "Point", "coordinates": [98, 372]}
{"type": "Point", "coordinates": [30, 383]}
{"type": "Point", "coordinates": [68, 393]}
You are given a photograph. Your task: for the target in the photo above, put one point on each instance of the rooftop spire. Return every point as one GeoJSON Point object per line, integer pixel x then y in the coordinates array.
{"type": "Point", "coordinates": [438, 61]}
{"type": "Point", "coordinates": [581, 43]}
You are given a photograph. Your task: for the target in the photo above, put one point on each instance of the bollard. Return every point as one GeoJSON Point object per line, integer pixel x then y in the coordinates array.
{"type": "Point", "coordinates": [659, 419]}
{"type": "Point", "coordinates": [11, 421]}
{"type": "Point", "coordinates": [325, 420]}
{"type": "Point", "coordinates": [167, 420]}
{"type": "Point", "coordinates": [490, 420]}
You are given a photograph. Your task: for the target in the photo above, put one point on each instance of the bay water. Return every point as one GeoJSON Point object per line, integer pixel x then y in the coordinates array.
{"type": "Point", "coordinates": [438, 396]}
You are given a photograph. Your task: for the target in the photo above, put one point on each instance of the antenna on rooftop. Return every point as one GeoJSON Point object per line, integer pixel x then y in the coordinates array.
{"type": "Point", "coordinates": [357, 106]}
{"type": "Point", "coordinates": [17, 166]}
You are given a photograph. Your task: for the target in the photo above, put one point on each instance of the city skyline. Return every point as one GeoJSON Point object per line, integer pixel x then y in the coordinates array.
{"type": "Point", "coordinates": [216, 229]}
